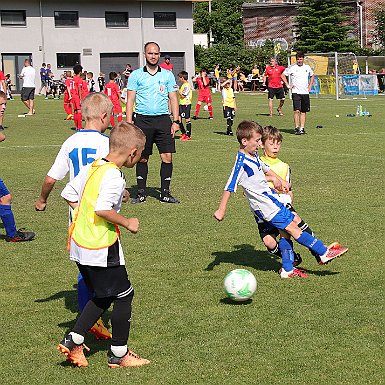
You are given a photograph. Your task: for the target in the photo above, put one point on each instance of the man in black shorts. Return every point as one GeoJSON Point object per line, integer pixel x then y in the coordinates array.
{"type": "Point", "coordinates": [28, 74]}
{"type": "Point", "coordinates": [150, 88]}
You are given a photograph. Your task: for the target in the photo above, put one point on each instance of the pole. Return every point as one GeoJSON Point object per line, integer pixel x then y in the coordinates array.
{"type": "Point", "coordinates": [42, 30]}
{"type": "Point", "coordinates": [336, 72]}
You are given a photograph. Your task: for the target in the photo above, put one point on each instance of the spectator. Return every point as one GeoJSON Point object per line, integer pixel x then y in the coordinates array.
{"type": "Point", "coordinates": [28, 74]}
{"type": "Point", "coordinates": [167, 65]}
{"type": "Point", "coordinates": [127, 72]}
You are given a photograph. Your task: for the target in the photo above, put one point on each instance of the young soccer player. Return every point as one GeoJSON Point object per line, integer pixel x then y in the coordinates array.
{"type": "Point", "coordinates": [66, 99]}
{"type": "Point", "coordinates": [6, 213]}
{"type": "Point", "coordinates": [204, 93]}
{"type": "Point", "coordinates": [91, 81]}
{"type": "Point", "coordinates": [250, 172]}
{"type": "Point", "coordinates": [112, 90]}
{"type": "Point", "coordinates": [271, 142]}
{"type": "Point", "coordinates": [84, 91]}
{"type": "Point", "coordinates": [74, 92]}
{"type": "Point", "coordinates": [79, 150]}
{"type": "Point", "coordinates": [96, 195]}
{"type": "Point", "coordinates": [229, 106]}
{"type": "Point", "coordinates": [185, 96]}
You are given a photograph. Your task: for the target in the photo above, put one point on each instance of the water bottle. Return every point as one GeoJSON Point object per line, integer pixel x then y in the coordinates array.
{"type": "Point", "coordinates": [361, 114]}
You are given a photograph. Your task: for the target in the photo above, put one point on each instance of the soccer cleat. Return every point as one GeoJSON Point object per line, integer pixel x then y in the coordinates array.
{"type": "Point", "coordinates": [72, 351]}
{"type": "Point", "coordinates": [188, 137]}
{"type": "Point", "coordinates": [295, 273]}
{"type": "Point", "coordinates": [279, 112]}
{"type": "Point", "coordinates": [297, 260]}
{"type": "Point", "coordinates": [334, 251]}
{"type": "Point", "coordinates": [69, 117]}
{"type": "Point", "coordinates": [1, 128]}
{"type": "Point", "coordinates": [183, 137]}
{"type": "Point", "coordinates": [229, 133]}
{"type": "Point", "coordinates": [100, 330]}
{"type": "Point", "coordinates": [194, 117]}
{"type": "Point", "coordinates": [140, 197]}
{"type": "Point", "coordinates": [211, 118]}
{"type": "Point", "coordinates": [166, 197]}
{"type": "Point", "coordinates": [130, 359]}
{"type": "Point", "coordinates": [301, 131]}
{"type": "Point", "coordinates": [21, 236]}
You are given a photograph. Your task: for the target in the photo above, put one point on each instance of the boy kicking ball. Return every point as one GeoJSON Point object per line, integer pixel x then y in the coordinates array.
{"type": "Point", "coordinates": [96, 196]}
{"type": "Point", "coordinates": [251, 173]}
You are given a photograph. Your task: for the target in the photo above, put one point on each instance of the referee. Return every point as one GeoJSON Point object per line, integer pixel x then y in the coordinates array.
{"type": "Point", "coordinates": [150, 89]}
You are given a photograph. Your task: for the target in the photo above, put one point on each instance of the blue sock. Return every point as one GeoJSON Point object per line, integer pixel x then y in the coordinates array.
{"type": "Point", "coordinates": [84, 295]}
{"type": "Point", "coordinates": [312, 243]}
{"type": "Point", "coordinates": [287, 254]}
{"type": "Point", "coordinates": [8, 219]}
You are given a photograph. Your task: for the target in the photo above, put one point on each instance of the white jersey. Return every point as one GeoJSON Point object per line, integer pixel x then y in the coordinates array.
{"type": "Point", "coordinates": [249, 172]}
{"type": "Point", "coordinates": [109, 198]}
{"type": "Point", "coordinates": [299, 77]}
{"type": "Point", "coordinates": [28, 75]}
{"type": "Point", "coordinates": [79, 150]}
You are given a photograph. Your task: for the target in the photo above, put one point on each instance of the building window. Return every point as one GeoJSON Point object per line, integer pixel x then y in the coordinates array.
{"type": "Point", "coordinates": [164, 19]}
{"type": "Point", "coordinates": [67, 60]}
{"type": "Point", "coordinates": [13, 18]}
{"type": "Point", "coordinates": [117, 19]}
{"type": "Point", "coordinates": [66, 18]}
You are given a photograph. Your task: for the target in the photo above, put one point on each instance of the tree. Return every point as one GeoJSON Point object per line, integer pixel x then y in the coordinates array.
{"type": "Point", "coordinates": [379, 17]}
{"type": "Point", "coordinates": [225, 21]}
{"type": "Point", "coordinates": [320, 27]}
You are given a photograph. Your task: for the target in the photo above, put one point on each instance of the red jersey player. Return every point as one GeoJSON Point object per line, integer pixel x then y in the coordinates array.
{"type": "Point", "coordinates": [273, 73]}
{"type": "Point", "coordinates": [204, 93]}
{"type": "Point", "coordinates": [112, 90]}
{"type": "Point", "coordinates": [84, 91]}
{"type": "Point", "coordinates": [66, 99]}
{"type": "Point", "coordinates": [74, 94]}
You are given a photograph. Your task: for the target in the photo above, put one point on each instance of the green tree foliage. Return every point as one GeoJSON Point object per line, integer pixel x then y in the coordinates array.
{"type": "Point", "coordinates": [225, 21]}
{"type": "Point", "coordinates": [379, 16]}
{"type": "Point", "coordinates": [319, 27]}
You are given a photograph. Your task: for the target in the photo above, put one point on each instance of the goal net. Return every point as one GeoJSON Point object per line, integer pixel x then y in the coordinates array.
{"type": "Point", "coordinates": [337, 75]}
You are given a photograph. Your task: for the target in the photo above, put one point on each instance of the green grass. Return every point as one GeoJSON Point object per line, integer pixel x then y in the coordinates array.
{"type": "Point", "coordinates": [328, 329]}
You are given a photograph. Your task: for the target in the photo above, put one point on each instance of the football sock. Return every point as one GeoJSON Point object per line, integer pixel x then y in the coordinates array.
{"type": "Point", "coordinates": [188, 129]}
{"type": "Point", "coordinates": [84, 295]}
{"type": "Point", "coordinates": [78, 120]}
{"type": "Point", "coordinates": [141, 175]}
{"type": "Point", "coordinates": [287, 254]}
{"type": "Point", "coordinates": [119, 351]}
{"type": "Point", "coordinates": [121, 320]}
{"type": "Point", "coordinates": [67, 108]}
{"type": "Point", "coordinates": [229, 122]}
{"type": "Point", "coordinates": [112, 121]}
{"type": "Point", "coordinates": [275, 251]}
{"type": "Point", "coordinates": [8, 220]}
{"type": "Point", "coordinates": [77, 338]}
{"type": "Point", "coordinates": [210, 111]}
{"type": "Point", "coordinates": [165, 175]}
{"type": "Point", "coordinates": [120, 118]}
{"type": "Point", "coordinates": [91, 313]}
{"type": "Point", "coordinates": [181, 127]}
{"type": "Point", "coordinates": [197, 108]}
{"type": "Point", "coordinates": [312, 243]}
{"type": "Point", "coordinates": [305, 227]}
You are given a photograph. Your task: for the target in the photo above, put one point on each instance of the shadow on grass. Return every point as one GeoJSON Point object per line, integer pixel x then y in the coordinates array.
{"type": "Point", "coordinates": [153, 192]}
{"type": "Point", "coordinates": [246, 256]}
{"type": "Point", "coordinates": [221, 133]}
{"type": "Point", "coordinates": [288, 131]}
{"type": "Point", "coordinates": [228, 301]}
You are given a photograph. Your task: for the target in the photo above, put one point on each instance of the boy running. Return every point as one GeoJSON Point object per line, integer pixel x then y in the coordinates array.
{"type": "Point", "coordinates": [96, 196]}
{"type": "Point", "coordinates": [250, 172]}
{"type": "Point", "coordinates": [112, 90]}
{"type": "Point", "coordinates": [185, 96]}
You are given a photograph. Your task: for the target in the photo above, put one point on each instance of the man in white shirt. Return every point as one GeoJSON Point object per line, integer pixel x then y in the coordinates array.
{"type": "Point", "coordinates": [301, 80]}
{"type": "Point", "coordinates": [28, 75]}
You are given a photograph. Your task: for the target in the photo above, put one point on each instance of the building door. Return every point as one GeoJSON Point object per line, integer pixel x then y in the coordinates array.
{"type": "Point", "coordinates": [116, 62]}
{"type": "Point", "coordinates": [13, 64]}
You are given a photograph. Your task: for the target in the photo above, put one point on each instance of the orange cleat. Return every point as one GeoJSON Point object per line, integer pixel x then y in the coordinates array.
{"type": "Point", "coordinates": [100, 330]}
{"type": "Point", "coordinates": [334, 250]}
{"type": "Point", "coordinates": [69, 117]}
{"type": "Point", "coordinates": [131, 359]}
{"type": "Point", "coordinates": [295, 273]}
{"type": "Point", "coordinates": [73, 352]}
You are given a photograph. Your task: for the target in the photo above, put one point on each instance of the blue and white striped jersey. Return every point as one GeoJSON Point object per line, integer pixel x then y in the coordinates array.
{"type": "Point", "coordinates": [249, 172]}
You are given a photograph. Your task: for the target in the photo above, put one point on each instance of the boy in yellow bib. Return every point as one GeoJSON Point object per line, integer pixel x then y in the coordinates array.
{"type": "Point", "coordinates": [96, 195]}
{"type": "Point", "coordinates": [229, 106]}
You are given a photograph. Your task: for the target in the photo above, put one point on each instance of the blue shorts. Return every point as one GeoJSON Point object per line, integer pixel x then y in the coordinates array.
{"type": "Point", "coordinates": [3, 189]}
{"type": "Point", "coordinates": [282, 219]}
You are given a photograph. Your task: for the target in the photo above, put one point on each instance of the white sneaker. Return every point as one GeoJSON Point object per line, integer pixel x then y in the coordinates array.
{"type": "Point", "coordinates": [295, 273]}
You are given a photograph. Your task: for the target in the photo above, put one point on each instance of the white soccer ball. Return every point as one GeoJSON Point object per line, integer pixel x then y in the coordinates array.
{"type": "Point", "coordinates": [206, 107]}
{"type": "Point", "coordinates": [240, 284]}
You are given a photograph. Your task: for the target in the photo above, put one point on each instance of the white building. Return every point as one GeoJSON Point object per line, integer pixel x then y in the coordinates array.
{"type": "Point", "coordinates": [101, 35]}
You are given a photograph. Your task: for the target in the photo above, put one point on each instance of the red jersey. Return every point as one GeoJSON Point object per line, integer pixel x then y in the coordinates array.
{"type": "Point", "coordinates": [166, 66]}
{"type": "Point", "coordinates": [112, 90]}
{"type": "Point", "coordinates": [74, 85]}
{"type": "Point", "coordinates": [67, 83]}
{"type": "Point", "coordinates": [84, 88]}
{"type": "Point", "coordinates": [203, 89]}
{"type": "Point", "coordinates": [2, 77]}
{"type": "Point", "coordinates": [274, 75]}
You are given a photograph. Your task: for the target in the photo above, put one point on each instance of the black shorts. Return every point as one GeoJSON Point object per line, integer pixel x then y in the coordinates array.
{"type": "Point", "coordinates": [228, 112]}
{"type": "Point", "coordinates": [279, 93]}
{"type": "Point", "coordinates": [27, 93]}
{"type": "Point", "coordinates": [157, 130]}
{"type": "Point", "coordinates": [105, 281]}
{"type": "Point", "coordinates": [301, 102]}
{"type": "Point", "coordinates": [184, 111]}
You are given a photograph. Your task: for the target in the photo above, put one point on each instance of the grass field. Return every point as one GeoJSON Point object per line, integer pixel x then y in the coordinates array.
{"type": "Point", "coordinates": [327, 329]}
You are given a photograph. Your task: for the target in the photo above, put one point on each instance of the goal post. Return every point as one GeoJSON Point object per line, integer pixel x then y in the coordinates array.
{"type": "Point", "coordinates": [337, 75]}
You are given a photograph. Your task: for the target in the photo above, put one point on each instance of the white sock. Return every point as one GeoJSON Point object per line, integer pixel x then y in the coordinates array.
{"type": "Point", "coordinates": [77, 338]}
{"type": "Point", "coordinates": [119, 351]}
{"type": "Point", "coordinates": [323, 256]}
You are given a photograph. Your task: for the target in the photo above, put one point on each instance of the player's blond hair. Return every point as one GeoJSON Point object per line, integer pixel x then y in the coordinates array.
{"type": "Point", "coordinates": [271, 133]}
{"type": "Point", "coordinates": [246, 129]}
{"type": "Point", "coordinates": [96, 104]}
{"type": "Point", "coordinates": [125, 136]}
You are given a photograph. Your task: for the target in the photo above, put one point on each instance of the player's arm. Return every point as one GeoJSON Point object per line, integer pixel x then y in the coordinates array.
{"type": "Point", "coordinates": [174, 110]}
{"type": "Point", "coordinates": [3, 85]}
{"type": "Point", "coordinates": [219, 215]}
{"type": "Point", "coordinates": [2, 137]}
{"type": "Point", "coordinates": [284, 79]}
{"type": "Point", "coordinates": [311, 83]}
{"type": "Point", "coordinates": [130, 105]}
{"type": "Point", "coordinates": [205, 80]}
{"type": "Point", "coordinates": [131, 224]}
{"type": "Point", "coordinates": [279, 183]}
{"type": "Point", "coordinates": [235, 104]}
{"type": "Point", "coordinates": [46, 189]}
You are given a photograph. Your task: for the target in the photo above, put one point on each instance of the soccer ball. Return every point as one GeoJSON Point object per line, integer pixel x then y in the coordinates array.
{"type": "Point", "coordinates": [240, 284]}
{"type": "Point", "coordinates": [206, 107]}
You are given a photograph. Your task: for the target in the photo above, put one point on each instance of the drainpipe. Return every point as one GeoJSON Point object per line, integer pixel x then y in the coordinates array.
{"type": "Point", "coordinates": [141, 60]}
{"type": "Point", "coordinates": [42, 30]}
{"type": "Point", "coordinates": [361, 23]}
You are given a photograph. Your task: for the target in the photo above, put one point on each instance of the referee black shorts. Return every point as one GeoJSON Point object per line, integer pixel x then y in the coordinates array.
{"type": "Point", "coordinates": [301, 102]}
{"type": "Point", "coordinates": [157, 130]}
